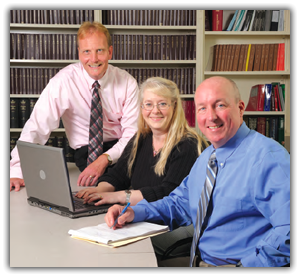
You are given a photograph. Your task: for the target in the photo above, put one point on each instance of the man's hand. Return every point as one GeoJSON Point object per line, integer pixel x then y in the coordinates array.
{"type": "Point", "coordinates": [114, 211]}
{"type": "Point", "coordinates": [90, 175]}
{"type": "Point", "coordinates": [16, 183]}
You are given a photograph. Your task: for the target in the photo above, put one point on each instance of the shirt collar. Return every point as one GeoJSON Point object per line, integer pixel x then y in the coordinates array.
{"type": "Point", "coordinates": [225, 151]}
{"type": "Point", "coordinates": [90, 81]}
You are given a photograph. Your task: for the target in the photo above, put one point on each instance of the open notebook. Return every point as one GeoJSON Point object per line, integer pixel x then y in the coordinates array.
{"type": "Point", "coordinates": [103, 235]}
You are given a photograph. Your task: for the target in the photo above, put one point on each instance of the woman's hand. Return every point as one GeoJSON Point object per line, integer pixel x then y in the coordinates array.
{"type": "Point", "coordinates": [105, 198]}
{"type": "Point", "coordinates": [101, 197]}
{"type": "Point", "coordinates": [84, 193]}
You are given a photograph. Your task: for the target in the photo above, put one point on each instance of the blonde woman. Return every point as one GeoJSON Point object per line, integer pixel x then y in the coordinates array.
{"type": "Point", "coordinates": [159, 155]}
{"type": "Point", "coordinates": [156, 159]}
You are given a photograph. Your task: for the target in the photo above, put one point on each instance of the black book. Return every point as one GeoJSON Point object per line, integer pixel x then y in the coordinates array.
{"type": "Point", "coordinates": [52, 141]}
{"type": "Point", "coordinates": [60, 142]}
{"type": "Point", "coordinates": [13, 142]}
{"type": "Point", "coordinates": [104, 17]}
{"type": "Point", "coordinates": [275, 20]}
{"type": "Point", "coordinates": [12, 81]}
{"type": "Point", "coordinates": [32, 102]}
{"type": "Point", "coordinates": [274, 127]}
{"type": "Point", "coordinates": [14, 113]}
{"type": "Point", "coordinates": [24, 111]}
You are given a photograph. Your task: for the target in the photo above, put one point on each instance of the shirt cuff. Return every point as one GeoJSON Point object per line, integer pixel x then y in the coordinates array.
{"type": "Point", "coordinates": [114, 154]}
{"type": "Point", "coordinates": [16, 172]}
{"type": "Point", "coordinates": [139, 212]}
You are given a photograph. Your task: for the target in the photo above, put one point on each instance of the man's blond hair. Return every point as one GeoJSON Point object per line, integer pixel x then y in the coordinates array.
{"type": "Point", "coordinates": [88, 28]}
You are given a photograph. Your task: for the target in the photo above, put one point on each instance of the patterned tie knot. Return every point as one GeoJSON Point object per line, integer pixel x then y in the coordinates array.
{"type": "Point", "coordinates": [96, 85]}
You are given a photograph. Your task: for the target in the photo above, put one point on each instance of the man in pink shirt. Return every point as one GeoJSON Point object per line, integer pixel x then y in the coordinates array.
{"type": "Point", "coordinates": [68, 96]}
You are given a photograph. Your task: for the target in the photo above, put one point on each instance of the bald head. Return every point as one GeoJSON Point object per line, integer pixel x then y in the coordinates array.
{"type": "Point", "coordinates": [224, 82]}
{"type": "Point", "coordinates": [219, 109]}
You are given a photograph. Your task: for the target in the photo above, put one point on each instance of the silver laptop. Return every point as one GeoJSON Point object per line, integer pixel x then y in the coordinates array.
{"type": "Point", "coordinates": [47, 181]}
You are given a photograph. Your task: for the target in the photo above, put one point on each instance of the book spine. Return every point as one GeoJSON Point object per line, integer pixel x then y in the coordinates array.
{"type": "Point", "coordinates": [217, 20]}
{"type": "Point", "coordinates": [261, 97]}
{"type": "Point", "coordinates": [266, 58]}
{"type": "Point", "coordinates": [271, 58]}
{"type": "Point", "coordinates": [14, 113]}
{"type": "Point", "coordinates": [261, 125]}
{"type": "Point", "coordinates": [275, 57]}
{"type": "Point", "coordinates": [281, 58]}
{"type": "Point", "coordinates": [264, 54]}
{"type": "Point", "coordinates": [23, 111]}
{"type": "Point", "coordinates": [12, 81]}
{"type": "Point", "coordinates": [281, 130]}
{"type": "Point", "coordinates": [268, 92]}
{"type": "Point", "coordinates": [13, 142]}
{"type": "Point", "coordinates": [248, 57]}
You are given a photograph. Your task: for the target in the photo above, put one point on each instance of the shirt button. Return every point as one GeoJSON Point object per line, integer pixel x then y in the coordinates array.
{"type": "Point", "coordinates": [221, 164]}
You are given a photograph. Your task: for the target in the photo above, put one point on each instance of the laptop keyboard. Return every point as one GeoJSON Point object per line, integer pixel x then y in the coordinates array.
{"type": "Point", "coordinates": [78, 203]}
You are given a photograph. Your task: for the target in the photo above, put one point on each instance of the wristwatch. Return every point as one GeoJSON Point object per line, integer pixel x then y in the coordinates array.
{"type": "Point", "coordinates": [128, 193]}
{"type": "Point", "coordinates": [108, 158]}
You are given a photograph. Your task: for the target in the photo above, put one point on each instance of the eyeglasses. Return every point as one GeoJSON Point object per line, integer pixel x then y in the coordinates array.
{"type": "Point", "coordinates": [161, 106]}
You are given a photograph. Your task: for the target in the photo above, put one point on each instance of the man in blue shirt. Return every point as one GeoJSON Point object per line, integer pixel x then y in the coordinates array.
{"type": "Point", "coordinates": [248, 220]}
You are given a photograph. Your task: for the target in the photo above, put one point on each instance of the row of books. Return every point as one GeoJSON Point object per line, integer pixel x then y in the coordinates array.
{"type": "Point", "coordinates": [154, 47]}
{"type": "Point", "coordinates": [267, 97]}
{"type": "Point", "coordinates": [257, 20]}
{"type": "Point", "coordinates": [21, 108]}
{"type": "Point", "coordinates": [183, 77]}
{"type": "Point", "coordinates": [244, 20]}
{"type": "Point", "coordinates": [43, 46]}
{"type": "Point", "coordinates": [30, 80]}
{"type": "Point", "coordinates": [55, 141]}
{"type": "Point", "coordinates": [149, 17]}
{"type": "Point", "coordinates": [20, 111]}
{"type": "Point", "coordinates": [269, 126]}
{"type": "Point", "coordinates": [247, 57]}
{"type": "Point", "coordinates": [34, 80]}
{"type": "Point", "coordinates": [51, 16]}
{"type": "Point", "coordinates": [126, 47]}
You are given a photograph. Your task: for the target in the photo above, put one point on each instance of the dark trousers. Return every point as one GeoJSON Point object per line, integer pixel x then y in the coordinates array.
{"type": "Point", "coordinates": [184, 262]}
{"type": "Point", "coordinates": [81, 154]}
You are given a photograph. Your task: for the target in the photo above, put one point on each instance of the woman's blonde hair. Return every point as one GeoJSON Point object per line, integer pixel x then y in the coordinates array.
{"type": "Point", "coordinates": [178, 127]}
{"type": "Point", "coordinates": [90, 28]}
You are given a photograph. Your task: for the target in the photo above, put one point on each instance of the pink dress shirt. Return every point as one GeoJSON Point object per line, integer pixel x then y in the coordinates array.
{"type": "Point", "coordinates": [68, 95]}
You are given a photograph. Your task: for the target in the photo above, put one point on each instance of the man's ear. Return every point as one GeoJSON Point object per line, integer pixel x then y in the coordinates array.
{"type": "Point", "coordinates": [110, 52]}
{"type": "Point", "coordinates": [242, 108]}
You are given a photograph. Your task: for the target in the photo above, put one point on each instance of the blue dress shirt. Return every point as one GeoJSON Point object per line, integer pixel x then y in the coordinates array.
{"type": "Point", "coordinates": [250, 208]}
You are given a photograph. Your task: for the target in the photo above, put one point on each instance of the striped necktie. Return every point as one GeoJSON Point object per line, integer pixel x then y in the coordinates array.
{"type": "Point", "coordinates": [95, 147]}
{"type": "Point", "coordinates": [211, 173]}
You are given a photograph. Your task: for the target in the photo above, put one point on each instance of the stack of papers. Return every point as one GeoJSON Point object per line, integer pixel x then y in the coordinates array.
{"type": "Point", "coordinates": [103, 235]}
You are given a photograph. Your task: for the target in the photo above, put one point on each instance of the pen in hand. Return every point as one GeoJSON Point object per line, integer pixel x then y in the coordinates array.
{"type": "Point", "coordinates": [124, 210]}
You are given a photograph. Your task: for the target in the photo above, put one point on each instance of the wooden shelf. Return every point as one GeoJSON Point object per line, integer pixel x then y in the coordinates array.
{"type": "Point", "coordinates": [205, 40]}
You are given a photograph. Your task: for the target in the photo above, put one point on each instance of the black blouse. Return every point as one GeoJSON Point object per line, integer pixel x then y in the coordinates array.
{"type": "Point", "coordinates": [143, 177]}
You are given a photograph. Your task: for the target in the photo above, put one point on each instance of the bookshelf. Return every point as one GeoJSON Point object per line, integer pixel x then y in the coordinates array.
{"type": "Point", "coordinates": [204, 40]}
{"type": "Point", "coordinates": [23, 30]}
{"type": "Point", "coordinates": [246, 79]}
